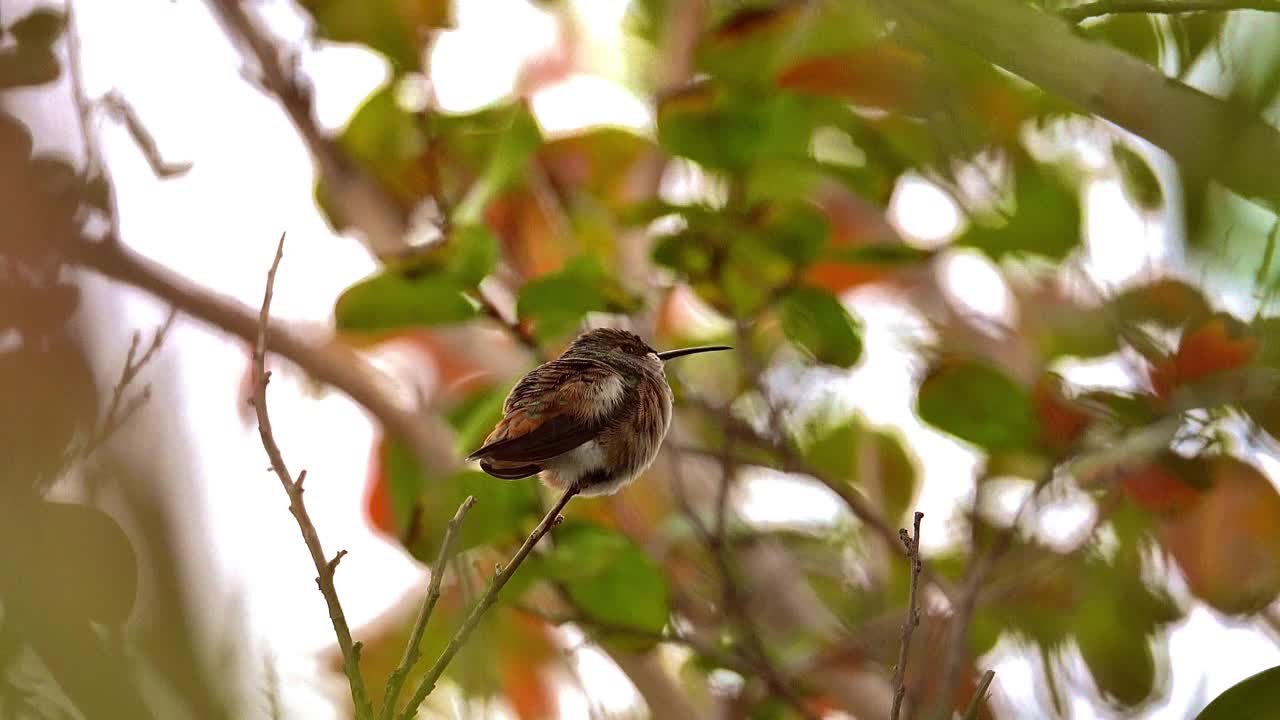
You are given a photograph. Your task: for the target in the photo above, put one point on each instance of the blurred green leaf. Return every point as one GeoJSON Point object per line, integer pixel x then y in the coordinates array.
{"type": "Point", "coordinates": [1120, 662]}
{"type": "Point", "coordinates": [1257, 696]}
{"type": "Point", "coordinates": [391, 300]}
{"type": "Point", "coordinates": [71, 547]}
{"type": "Point", "coordinates": [1194, 33]}
{"type": "Point", "coordinates": [476, 416]}
{"type": "Point", "coordinates": [816, 321]}
{"type": "Point", "coordinates": [473, 253]}
{"type": "Point", "coordinates": [1140, 182]}
{"type": "Point", "coordinates": [39, 27]}
{"type": "Point", "coordinates": [980, 404]}
{"type": "Point", "coordinates": [888, 254]}
{"type": "Point", "coordinates": [846, 449]}
{"type": "Point", "coordinates": [557, 302]}
{"type": "Point", "coordinates": [23, 67]}
{"type": "Point", "coordinates": [392, 27]}
{"type": "Point", "coordinates": [611, 580]}
{"type": "Point", "coordinates": [1168, 302]}
{"type": "Point", "coordinates": [686, 253]}
{"type": "Point", "coordinates": [498, 516]}
{"type": "Point", "coordinates": [405, 482]}
{"type": "Point", "coordinates": [1045, 219]}
{"type": "Point", "coordinates": [387, 141]}
{"type": "Point", "coordinates": [517, 139]}
{"type": "Point", "coordinates": [722, 129]}
{"type": "Point", "coordinates": [1135, 33]}
{"type": "Point", "coordinates": [797, 230]}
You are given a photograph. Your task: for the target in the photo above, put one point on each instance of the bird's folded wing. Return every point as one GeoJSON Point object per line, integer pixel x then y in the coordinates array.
{"type": "Point", "coordinates": [553, 410]}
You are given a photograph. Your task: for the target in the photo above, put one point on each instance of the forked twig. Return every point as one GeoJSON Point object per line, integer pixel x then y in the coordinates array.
{"type": "Point", "coordinates": [411, 651]}
{"type": "Point", "coordinates": [119, 409]}
{"type": "Point", "coordinates": [324, 567]}
{"type": "Point", "coordinates": [912, 544]}
{"type": "Point", "coordinates": [487, 600]}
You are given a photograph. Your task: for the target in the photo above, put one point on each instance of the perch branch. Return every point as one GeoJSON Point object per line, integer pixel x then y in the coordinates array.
{"type": "Point", "coordinates": [1088, 10]}
{"type": "Point", "coordinates": [912, 545]}
{"type": "Point", "coordinates": [1205, 135]}
{"type": "Point", "coordinates": [500, 579]}
{"type": "Point", "coordinates": [411, 650]}
{"type": "Point", "coordinates": [324, 568]}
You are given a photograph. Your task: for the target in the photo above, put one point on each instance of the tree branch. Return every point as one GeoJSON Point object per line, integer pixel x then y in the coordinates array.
{"type": "Point", "coordinates": [364, 203]}
{"type": "Point", "coordinates": [1205, 135]}
{"type": "Point", "coordinates": [330, 363]}
{"type": "Point", "coordinates": [411, 650]}
{"type": "Point", "coordinates": [500, 579]}
{"type": "Point", "coordinates": [792, 463]}
{"type": "Point", "coordinates": [912, 545]}
{"type": "Point", "coordinates": [1088, 10]}
{"type": "Point", "coordinates": [324, 568]}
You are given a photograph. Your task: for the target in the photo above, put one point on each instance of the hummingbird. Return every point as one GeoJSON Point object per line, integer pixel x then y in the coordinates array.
{"type": "Point", "coordinates": [591, 420]}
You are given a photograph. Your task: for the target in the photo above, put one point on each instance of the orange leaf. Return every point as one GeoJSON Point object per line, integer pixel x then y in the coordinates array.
{"type": "Point", "coordinates": [1215, 346]}
{"type": "Point", "coordinates": [1228, 544]}
{"type": "Point", "coordinates": [884, 76]}
{"type": "Point", "coordinates": [1218, 344]}
{"type": "Point", "coordinates": [377, 500]}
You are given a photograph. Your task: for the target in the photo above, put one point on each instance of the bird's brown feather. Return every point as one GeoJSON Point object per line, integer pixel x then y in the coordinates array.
{"type": "Point", "coordinates": [554, 409]}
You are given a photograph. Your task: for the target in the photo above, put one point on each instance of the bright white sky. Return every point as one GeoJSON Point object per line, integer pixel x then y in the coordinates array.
{"type": "Point", "coordinates": [252, 178]}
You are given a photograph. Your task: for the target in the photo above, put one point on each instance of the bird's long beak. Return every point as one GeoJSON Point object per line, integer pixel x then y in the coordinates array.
{"type": "Point", "coordinates": [669, 354]}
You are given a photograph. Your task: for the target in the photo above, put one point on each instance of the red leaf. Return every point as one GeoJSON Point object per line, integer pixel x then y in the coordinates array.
{"type": "Point", "coordinates": [1218, 344]}
{"type": "Point", "coordinates": [1061, 421]}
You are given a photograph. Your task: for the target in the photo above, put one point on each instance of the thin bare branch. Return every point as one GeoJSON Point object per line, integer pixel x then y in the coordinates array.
{"type": "Point", "coordinates": [857, 504]}
{"type": "Point", "coordinates": [979, 694]}
{"type": "Point", "coordinates": [324, 567]}
{"type": "Point", "coordinates": [426, 435]}
{"type": "Point", "coordinates": [1099, 8]}
{"type": "Point", "coordinates": [487, 600]}
{"type": "Point", "coordinates": [967, 600]}
{"type": "Point", "coordinates": [412, 650]}
{"type": "Point", "coordinates": [122, 110]}
{"type": "Point", "coordinates": [912, 544]}
{"type": "Point", "coordinates": [519, 332]}
{"type": "Point", "coordinates": [368, 207]}
{"type": "Point", "coordinates": [119, 410]}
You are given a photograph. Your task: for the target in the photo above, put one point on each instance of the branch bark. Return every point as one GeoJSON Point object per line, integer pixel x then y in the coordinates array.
{"type": "Point", "coordinates": [1207, 136]}
{"type": "Point", "coordinates": [1098, 8]}
{"type": "Point", "coordinates": [912, 545]}
{"type": "Point", "coordinates": [325, 568]}
{"type": "Point", "coordinates": [344, 369]}
{"type": "Point", "coordinates": [364, 203]}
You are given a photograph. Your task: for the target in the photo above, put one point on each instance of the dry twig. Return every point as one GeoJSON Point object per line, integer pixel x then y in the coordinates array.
{"type": "Point", "coordinates": [912, 545]}
{"type": "Point", "coordinates": [500, 579]}
{"type": "Point", "coordinates": [325, 567]}
{"type": "Point", "coordinates": [119, 410]}
{"type": "Point", "coordinates": [411, 650]}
